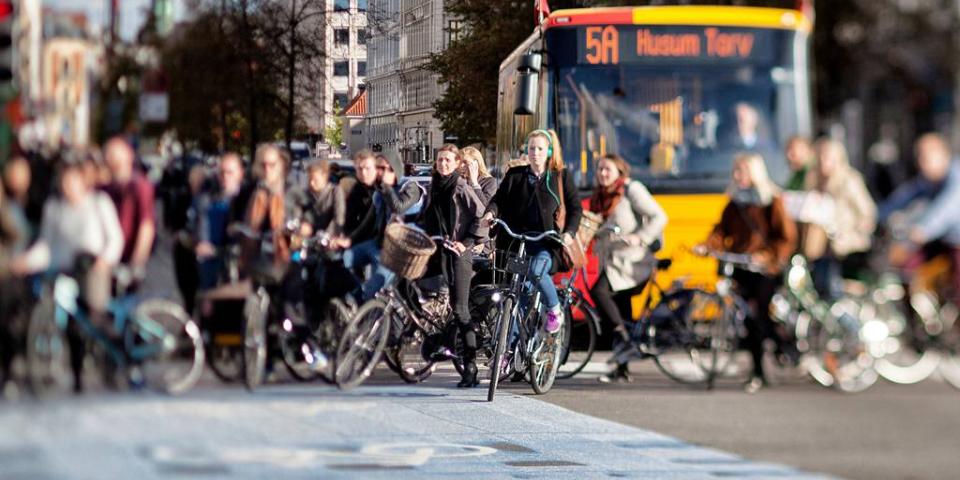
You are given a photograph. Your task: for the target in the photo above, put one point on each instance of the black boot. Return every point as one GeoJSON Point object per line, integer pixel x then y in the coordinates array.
{"type": "Point", "coordinates": [619, 375]}
{"type": "Point", "coordinates": [469, 378]}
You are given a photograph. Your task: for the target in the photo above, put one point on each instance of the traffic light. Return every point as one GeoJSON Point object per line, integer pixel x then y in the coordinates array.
{"type": "Point", "coordinates": [6, 43]}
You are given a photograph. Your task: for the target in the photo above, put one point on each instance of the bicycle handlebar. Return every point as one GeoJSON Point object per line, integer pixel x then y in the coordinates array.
{"type": "Point", "coordinates": [551, 234]}
{"type": "Point", "coordinates": [740, 260]}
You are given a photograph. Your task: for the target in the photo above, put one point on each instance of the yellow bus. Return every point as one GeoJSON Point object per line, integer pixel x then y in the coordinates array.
{"type": "Point", "coordinates": [676, 90]}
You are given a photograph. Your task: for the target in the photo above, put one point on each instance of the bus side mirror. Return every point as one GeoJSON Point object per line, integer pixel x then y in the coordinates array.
{"type": "Point", "coordinates": [528, 83]}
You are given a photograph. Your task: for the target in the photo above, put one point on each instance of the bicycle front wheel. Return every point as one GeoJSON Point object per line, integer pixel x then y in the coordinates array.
{"type": "Point", "coordinates": [405, 356]}
{"type": "Point", "coordinates": [544, 360]}
{"type": "Point", "coordinates": [579, 330]}
{"type": "Point", "coordinates": [172, 343]}
{"type": "Point", "coordinates": [255, 338]}
{"type": "Point", "coordinates": [48, 352]}
{"type": "Point", "coordinates": [503, 330]}
{"type": "Point", "coordinates": [362, 344]}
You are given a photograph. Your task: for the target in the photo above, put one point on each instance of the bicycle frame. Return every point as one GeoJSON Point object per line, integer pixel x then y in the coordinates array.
{"type": "Point", "coordinates": [66, 292]}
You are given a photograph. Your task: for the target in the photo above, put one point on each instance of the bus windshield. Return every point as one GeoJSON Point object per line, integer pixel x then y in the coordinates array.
{"type": "Point", "coordinates": [676, 110]}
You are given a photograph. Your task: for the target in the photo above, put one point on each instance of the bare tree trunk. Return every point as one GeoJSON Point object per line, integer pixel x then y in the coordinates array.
{"type": "Point", "coordinates": [291, 72]}
{"type": "Point", "coordinates": [251, 80]}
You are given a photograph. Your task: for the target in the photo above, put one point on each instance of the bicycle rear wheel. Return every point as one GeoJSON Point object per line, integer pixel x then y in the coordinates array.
{"type": "Point", "coordinates": [362, 344]}
{"type": "Point", "coordinates": [177, 355]}
{"type": "Point", "coordinates": [683, 335]}
{"type": "Point", "coordinates": [255, 312]}
{"type": "Point", "coordinates": [503, 330]}
{"type": "Point", "coordinates": [580, 325]}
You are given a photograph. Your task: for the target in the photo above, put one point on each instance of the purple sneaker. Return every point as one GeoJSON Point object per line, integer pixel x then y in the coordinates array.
{"type": "Point", "coordinates": [554, 321]}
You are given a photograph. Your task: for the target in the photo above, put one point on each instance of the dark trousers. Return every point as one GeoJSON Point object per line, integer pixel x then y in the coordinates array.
{"type": "Point", "coordinates": [615, 308]}
{"type": "Point", "coordinates": [458, 270]}
{"type": "Point", "coordinates": [757, 289]}
{"type": "Point", "coordinates": [187, 274]}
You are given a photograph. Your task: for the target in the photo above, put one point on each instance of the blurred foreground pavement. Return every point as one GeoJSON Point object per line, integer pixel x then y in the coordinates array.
{"type": "Point", "coordinates": [295, 431]}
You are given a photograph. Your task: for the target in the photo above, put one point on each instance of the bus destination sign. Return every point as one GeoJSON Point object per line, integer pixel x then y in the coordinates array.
{"type": "Point", "coordinates": [617, 44]}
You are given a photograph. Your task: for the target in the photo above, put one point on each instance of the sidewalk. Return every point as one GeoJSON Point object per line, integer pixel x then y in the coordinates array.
{"type": "Point", "coordinates": [315, 432]}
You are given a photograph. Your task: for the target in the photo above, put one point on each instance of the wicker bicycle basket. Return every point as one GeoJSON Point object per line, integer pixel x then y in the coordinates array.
{"type": "Point", "coordinates": [406, 251]}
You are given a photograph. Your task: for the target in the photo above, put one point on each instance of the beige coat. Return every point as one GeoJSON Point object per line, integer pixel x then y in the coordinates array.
{"type": "Point", "coordinates": [855, 213]}
{"type": "Point", "coordinates": [639, 216]}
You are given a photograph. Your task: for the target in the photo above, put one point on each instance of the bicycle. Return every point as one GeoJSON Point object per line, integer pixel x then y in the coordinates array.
{"type": "Point", "coordinates": [420, 320]}
{"type": "Point", "coordinates": [828, 336]}
{"type": "Point", "coordinates": [159, 345]}
{"type": "Point", "coordinates": [268, 330]}
{"type": "Point", "coordinates": [406, 252]}
{"type": "Point", "coordinates": [684, 331]}
{"type": "Point", "coordinates": [533, 352]}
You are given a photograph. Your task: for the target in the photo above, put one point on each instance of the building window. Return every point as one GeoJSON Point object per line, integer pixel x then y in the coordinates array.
{"type": "Point", "coordinates": [361, 36]}
{"type": "Point", "coordinates": [361, 69]}
{"type": "Point", "coordinates": [340, 100]}
{"type": "Point", "coordinates": [361, 5]}
{"type": "Point", "coordinates": [454, 31]}
{"type": "Point", "coordinates": [341, 36]}
{"type": "Point", "coordinates": [341, 5]}
{"type": "Point", "coordinates": [341, 69]}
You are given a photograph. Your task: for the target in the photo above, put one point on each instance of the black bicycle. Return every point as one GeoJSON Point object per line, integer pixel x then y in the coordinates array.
{"type": "Point", "coordinates": [531, 351]}
{"type": "Point", "coordinates": [686, 331]}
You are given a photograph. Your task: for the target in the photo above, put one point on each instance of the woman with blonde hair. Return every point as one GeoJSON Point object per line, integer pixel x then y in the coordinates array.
{"type": "Point", "coordinates": [853, 221]}
{"type": "Point", "coordinates": [529, 199]}
{"type": "Point", "coordinates": [474, 170]}
{"type": "Point", "coordinates": [755, 222]}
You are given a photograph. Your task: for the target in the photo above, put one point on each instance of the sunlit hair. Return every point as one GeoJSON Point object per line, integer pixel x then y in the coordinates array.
{"type": "Point", "coordinates": [471, 153]}
{"type": "Point", "coordinates": [932, 139]}
{"type": "Point", "coordinates": [363, 155]}
{"type": "Point", "coordinates": [838, 149]}
{"type": "Point", "coordinates": [622, 166]}
{"type": "Point", "coordinates": [555, 160]}
{"type": "Point", "coordinates": [765, 187]}
{"type": "Point", "coordinates": [322, 166]}
{"type": "Point", "coordinates": [449, 147]}
{"type": "Point", "coordinates": [262, 151]}
{"type": "Point", "coordinates": [798, 139]}
{"type": "Point", "coordinates": [232, 157]}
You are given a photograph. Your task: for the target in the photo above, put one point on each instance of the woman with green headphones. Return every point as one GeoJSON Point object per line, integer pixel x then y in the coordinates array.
{"type": "Point", "coordinates": [528, 200]}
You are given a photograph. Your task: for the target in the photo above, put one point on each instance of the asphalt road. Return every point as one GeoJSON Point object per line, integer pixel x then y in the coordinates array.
{"type": "Point", "coordinates": [888, 432]}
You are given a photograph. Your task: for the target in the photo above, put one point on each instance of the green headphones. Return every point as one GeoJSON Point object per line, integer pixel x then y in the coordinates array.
{"type": "Point", "coordinates": [549, 140]}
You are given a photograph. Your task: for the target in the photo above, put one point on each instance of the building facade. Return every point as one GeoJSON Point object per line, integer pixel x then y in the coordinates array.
{"type": "Point", "coordinates": [346, 60]}
{"type": "Point", "coordinates": [402, 92]}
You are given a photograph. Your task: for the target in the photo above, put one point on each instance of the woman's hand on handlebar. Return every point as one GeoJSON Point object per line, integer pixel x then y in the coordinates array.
{"type": "Point", "coordinates": [205, 250]}
{"type": "Point", "coordinates": [700, 249]}
{"type": "Point", "coordinates": [457, 247]}
{"type": "Point", "coordinates": [764, 260]}
{"type": "Point", "coordinates": [487, 219]}
{"type": "Point", "coordinates": [341, 243]}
